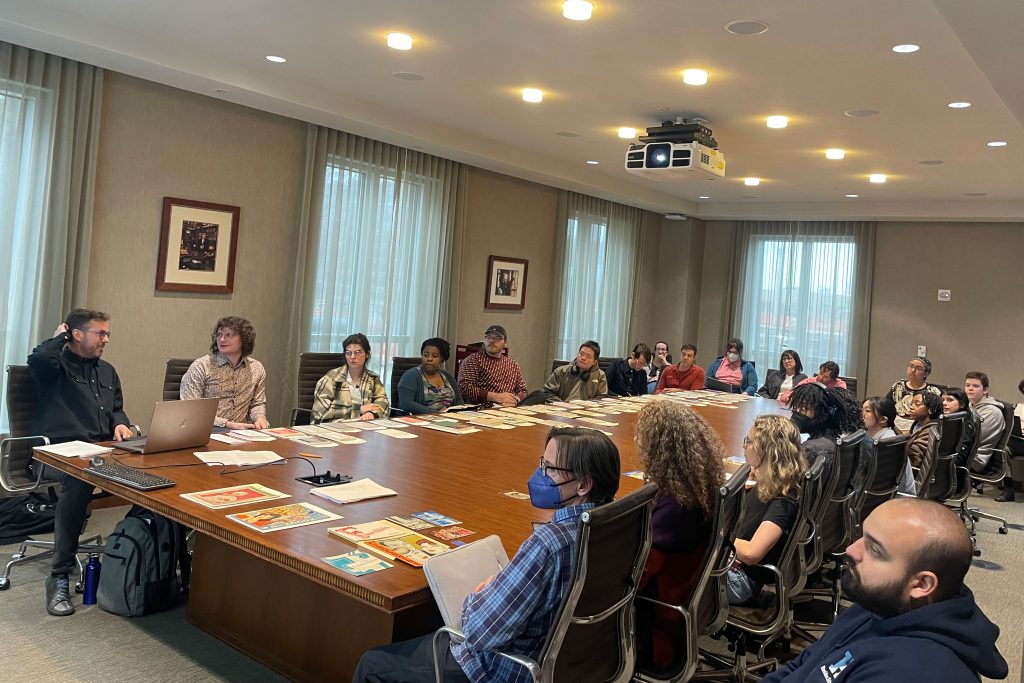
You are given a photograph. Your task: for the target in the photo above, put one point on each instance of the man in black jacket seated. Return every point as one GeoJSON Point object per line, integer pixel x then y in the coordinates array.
{"type": "Point", "coordinates": [628, 376]}
{"type": "Point", "coordinates": [79, 399]}
{"type": "Point", "coordinates": [914, 620]}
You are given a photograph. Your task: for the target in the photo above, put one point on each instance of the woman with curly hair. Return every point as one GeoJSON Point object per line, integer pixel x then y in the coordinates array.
{"type": "Point", "coordinates": [682, 454]}
{"type": "Point", "coordinates": [772, 449]}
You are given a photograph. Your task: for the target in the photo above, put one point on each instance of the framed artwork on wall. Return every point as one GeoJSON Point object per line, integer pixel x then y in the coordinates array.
{"type": "Point", "coordinates": [506, 283]}
{"type": "Point", "coordinates": [198, 241]}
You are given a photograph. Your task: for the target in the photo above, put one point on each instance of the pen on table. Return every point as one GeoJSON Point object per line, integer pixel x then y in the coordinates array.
{"type": "Point", "coordinates": [310, 455]}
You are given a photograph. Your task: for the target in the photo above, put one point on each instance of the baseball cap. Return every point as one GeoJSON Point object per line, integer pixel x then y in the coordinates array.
{"type": "Point", "coordinates": [496, 329]}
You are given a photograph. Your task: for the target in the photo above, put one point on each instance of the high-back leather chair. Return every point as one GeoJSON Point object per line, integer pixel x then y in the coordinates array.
{"type": "Point", "coordinates": [312, 366]}
{"type": "Point", "coordinates": [399, 366]}
{"type": "Point", "coordinates": [592, 637]}
{"type": "Point", "coordinates": [173, 372]}
{"type": "Point", "coordinates": [887, 461]}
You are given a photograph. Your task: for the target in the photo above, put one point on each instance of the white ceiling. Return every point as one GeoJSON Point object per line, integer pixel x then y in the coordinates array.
{"type": "Point", "coordinates": [819, 59]}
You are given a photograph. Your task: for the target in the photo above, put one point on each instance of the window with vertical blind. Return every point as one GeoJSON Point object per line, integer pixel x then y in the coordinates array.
{"type": "Point", "coordinates": [800, 289]}
{"type": "Point", "coordinates": [599, 266]}
{"type": "Point", "coordinates": [382, 252]}
{"type": "Point", "coordinates": [26, 131]}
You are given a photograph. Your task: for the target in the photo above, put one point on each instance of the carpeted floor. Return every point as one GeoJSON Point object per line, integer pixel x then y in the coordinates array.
{"type": "Point", "coordinates": [95, 646]}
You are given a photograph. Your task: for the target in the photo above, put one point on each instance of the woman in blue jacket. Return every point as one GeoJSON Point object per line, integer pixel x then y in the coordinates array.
{"type": "Point", "coordinates": [731, 368]}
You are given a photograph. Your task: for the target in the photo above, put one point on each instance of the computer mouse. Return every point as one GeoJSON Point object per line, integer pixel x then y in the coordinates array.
{"type": "Point", "coordinates": [98, 460]}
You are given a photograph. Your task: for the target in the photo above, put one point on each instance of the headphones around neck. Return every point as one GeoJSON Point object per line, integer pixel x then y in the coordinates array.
{"type": "Point", "coordinates": [575, 371]}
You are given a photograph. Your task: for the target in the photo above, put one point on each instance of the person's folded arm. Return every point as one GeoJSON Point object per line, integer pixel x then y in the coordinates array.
{"type": "Point", "coordinates": [44, 361]}
{"type": "Point", "coordinates": [323, 399]}
{"type": "Point", "coordinates": [409, 393]}
{"type": "Point", "coordinates": [379, 396]}
{"type": "Point", "coordinates": [763, 540]}
{"type": "Point", "coordinates": [469, 381]}
{"type": "Point", "coordinates": [258, 406]}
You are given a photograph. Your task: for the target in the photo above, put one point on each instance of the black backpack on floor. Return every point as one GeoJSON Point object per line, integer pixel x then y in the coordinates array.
{"type": "Point", "coordinates": [146, 565]}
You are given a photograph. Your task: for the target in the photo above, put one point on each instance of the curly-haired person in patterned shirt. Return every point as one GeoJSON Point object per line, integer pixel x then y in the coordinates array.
{"type": "Point", "coordinates": [488, 376]}
{"type": "Point", "coordinates": [228, 373]}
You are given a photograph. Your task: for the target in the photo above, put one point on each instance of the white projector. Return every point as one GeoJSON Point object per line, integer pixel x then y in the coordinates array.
{"type": "Point", "coordinates": [674, 160]}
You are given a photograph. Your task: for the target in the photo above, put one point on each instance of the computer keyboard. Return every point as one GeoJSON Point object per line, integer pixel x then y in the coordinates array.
{"type": "Point", "coordinates": [129, 476]}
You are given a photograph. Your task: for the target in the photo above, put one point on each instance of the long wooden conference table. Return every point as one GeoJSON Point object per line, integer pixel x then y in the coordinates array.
{"type": "Point", "coordinates": [272, 597]}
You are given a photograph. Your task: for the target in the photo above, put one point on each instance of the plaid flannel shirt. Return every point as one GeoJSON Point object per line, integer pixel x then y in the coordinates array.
{"type": "Point", "coordinates": [515, 612]}
{"type": "Point", "coordinates": [332, 399]}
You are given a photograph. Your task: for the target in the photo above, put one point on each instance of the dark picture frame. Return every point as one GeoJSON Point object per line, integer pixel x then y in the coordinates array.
{"type": "Point", "coordinates": [506, 283]}
{"type": "Point", "coordinates": [198, 243]}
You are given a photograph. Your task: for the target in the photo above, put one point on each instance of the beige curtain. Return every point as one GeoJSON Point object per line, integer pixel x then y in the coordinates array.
{"type": "Point", "coordinates": [379, 249]}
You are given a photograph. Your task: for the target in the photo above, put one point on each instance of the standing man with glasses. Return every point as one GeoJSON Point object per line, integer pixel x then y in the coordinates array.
{"type": "Point", "coordinates": [489, 376]}
{"type": "Point", "coordinates": [904, 390]}
{"type": "Point", "coordinates": [79, 400]}
{"type": "Point", "coordinates": [229, 374]}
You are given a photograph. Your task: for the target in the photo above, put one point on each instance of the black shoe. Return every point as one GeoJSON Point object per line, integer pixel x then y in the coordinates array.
{"type": "Point", "coordinates": [1008, 497]}
{"type": "Point", "coordinates": [58, 596]}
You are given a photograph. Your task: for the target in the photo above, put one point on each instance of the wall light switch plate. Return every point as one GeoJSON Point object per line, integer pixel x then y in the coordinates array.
{"type": "Point", "coordinates": [944, 294]}
{"type": "Point", "coordinates": [922, 351]}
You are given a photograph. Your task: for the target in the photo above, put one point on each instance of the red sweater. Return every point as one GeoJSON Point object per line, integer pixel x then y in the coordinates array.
{"type": "Point", "coordinates": [674, 378]}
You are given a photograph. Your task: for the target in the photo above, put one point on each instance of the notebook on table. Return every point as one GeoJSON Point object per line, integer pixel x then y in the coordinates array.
{"type": "Point", "coordinates": [455, 574]}
{"type": "Point", "coordinates": [176, 425]}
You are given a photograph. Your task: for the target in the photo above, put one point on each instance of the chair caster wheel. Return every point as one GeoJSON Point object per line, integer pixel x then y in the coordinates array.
{"type": "Point", "coordinates": [5, 583]}
{"type": "Point", "coordinates": [976, 553]}
{"type": "Point", "coordinates": [1003, 530]}
{"type": "Point", "coordinates": [17, 556]}
{"type": "Point", "coordinates": [79, 588]}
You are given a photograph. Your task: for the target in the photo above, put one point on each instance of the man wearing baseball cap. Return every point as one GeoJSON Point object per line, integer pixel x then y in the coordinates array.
{"type": "Point", "coordinates": [488, 376]}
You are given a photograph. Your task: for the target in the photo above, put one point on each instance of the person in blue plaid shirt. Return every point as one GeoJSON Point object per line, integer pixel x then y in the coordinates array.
{"type": "Point", "coordinates": [514, 610]}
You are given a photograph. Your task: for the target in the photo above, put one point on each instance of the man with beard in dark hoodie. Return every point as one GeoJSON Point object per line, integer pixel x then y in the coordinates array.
{"type": "Point", "coordinates": [914, 619]}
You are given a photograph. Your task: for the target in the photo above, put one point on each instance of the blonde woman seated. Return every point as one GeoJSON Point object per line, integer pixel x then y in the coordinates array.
{"type": "Point", "coordinates": [772, 449]}
{"type": "Point", "coordinates": [350, 391]}
{"type": "Point", "coordinates": [682, 454]}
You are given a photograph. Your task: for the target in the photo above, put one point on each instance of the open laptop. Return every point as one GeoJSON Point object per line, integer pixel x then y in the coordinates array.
{"type": "Point", "coordinates": [176, 425]}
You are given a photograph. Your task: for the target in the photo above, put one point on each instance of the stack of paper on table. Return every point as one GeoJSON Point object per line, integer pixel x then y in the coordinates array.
{"type": "Point", "coordinates": [250, 435]}
{"type": "Point", "coordinates": [74, 449]}
{"type": "Point", "coordinates": [238, 457]}
{"type": "Point", "coordinates": [363, 489]}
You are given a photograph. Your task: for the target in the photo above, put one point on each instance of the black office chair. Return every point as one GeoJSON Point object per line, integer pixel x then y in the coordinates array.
{"type": "Point", "coordinates": [592, 638]}
{"type": "Point", "coordinates": [399, 366]}
{"type": "Point", "coordinates": [886, 463]}
{"type": "Point", "coordinates": [998, 466]}
{"type": "Point", "coordinates": [312, 366]}
{"type": "Point", "coordinates": [18, 479]}
{"type": "Point", "coordinates": [708, 608]}
{"type": "Point", "coordinates": [851, 385]}
{"type": "Point", "coordinates": [555, 364]}
{"type": "Point", "coordinates": [764, 625]}
{"type": "Point", "coordinates": [604, 363]}
{"type": "Point", "coordinates": [173, 372]}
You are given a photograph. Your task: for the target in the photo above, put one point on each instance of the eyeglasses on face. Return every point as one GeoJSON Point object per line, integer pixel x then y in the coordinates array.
{"type": "Point", "coordinates": [916, 368]}
{"type": "Point", "coordinates": [355, 354]}
{"type": "Point", "coordinates": [102, 334]}
{"type": "Point", "coordinates": [545, 466]}
{"type": "Point", "coordinates": [226, 335]}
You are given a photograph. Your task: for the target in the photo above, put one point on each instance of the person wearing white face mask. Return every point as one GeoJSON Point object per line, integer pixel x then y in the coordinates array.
{"type": "Point", "coordinates": [731, 368]}
{"type": "Point", "coordinates": [514, 610]}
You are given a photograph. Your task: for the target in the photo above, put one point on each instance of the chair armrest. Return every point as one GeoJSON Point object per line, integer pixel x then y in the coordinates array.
{"type": "Point", "coordinates": [659, 603]}
{"type": "Point", "coordinates": [781, 610]}
{"type": "Point", "coordinates": [296, 413]}
{"type": "Point", "coordinates": [437, 646]}
{"type": "Point", "coordinates": [727, 565]}
{"type": "Point", "coordinates": [5, 465]}
{"type": "Point", "coordinates": [397, 412]}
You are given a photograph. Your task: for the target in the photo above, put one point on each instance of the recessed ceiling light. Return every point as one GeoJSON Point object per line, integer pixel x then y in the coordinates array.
{"type": "Point", "coordinates": [752, 182]}
{"type": "Point", "coordinates": [876, 178]}
{"type": "Point", "coordinates": [930, 162]}
{"type": "Point", "coordinates": [627, 133]}
{"type": "Point", "coordinates": [746, 27]}
{"type": "Point", "coordinates": [777, 121]}
{"type": "Point", "coordinates": [906, 49]}
{"type": "Point", "coordinates": [860, 113]}
{"type": "Point", "coordinates": [533, 95]}
{"type": "Point", "coordinates": [835, 153]}
{"type": "Point", "coordinates": [852, 196]}
{"type": "Point", "coordinates": [695, 77]}
{"type": "Point", "coordinates": [958, 105]}
{"type": "Point", "coordinates": [276, 59]}
{"type": "Point", "coordinates": [703, 196]}
{"type": "Point", "coordinates": [567, 134]}
{"type": "Point", "coordinates": [407, 76]}
{"type": "Point", "coordinates": [997, 143]}
{"type": "Point", "coordinates": [577, 10]}
{"type": "Point", "coordinates": [593, 162]}
{"type": "Point", "coordinates": [399, 41]}
{"type": "Point", "coordinates": [675, 216]}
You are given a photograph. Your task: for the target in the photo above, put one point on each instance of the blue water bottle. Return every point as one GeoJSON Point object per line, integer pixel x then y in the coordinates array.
{"type": "Point", "coordinates": [92, 579]}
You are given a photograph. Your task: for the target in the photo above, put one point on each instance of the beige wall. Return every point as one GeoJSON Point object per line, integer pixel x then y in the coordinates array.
{"type": "Point", "coordinates": [981, 328]}
{"type": "Point", "coordinates": [157, 141]}
{"type": "Point", "coordinates": [506, 216]}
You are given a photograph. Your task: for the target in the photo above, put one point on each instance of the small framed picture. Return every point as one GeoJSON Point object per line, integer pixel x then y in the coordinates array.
{"type": "Point", "coordinates": [198, 241]}
{"type": "Point", "coordinates": [506, 283]}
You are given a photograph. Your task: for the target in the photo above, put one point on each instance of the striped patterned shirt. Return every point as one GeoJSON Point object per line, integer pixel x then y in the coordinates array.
{"type": "Point", "coordinates": [480, 374]}
{"type": "Point", "coordinates": [515, 612]}
{"type": "Point", "coordinates": [242, 390]}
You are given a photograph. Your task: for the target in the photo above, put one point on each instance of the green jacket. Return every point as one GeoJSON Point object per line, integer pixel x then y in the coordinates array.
{"type": "Point", "coordinates": [569, 387]}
